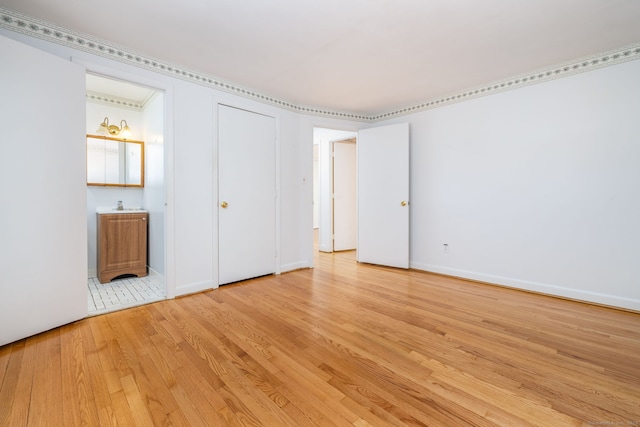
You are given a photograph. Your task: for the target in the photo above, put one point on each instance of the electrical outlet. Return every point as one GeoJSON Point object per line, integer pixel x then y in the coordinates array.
{"type": "Point", "coordinates": [445, 248]}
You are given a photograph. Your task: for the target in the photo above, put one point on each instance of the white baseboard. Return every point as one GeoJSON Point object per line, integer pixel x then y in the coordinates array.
{"type": "Point", "coordinates": [543, 288]}
{"type": "Point", "coordinates": [193, 288]}
{"type": "Point", "coordinates": [294, 266]}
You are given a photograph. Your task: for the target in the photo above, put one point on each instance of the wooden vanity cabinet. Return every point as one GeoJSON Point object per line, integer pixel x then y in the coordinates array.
{"type": "Point", "coordinates": [122, 245]}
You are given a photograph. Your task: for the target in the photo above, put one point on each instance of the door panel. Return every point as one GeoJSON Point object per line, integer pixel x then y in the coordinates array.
{"type": "Point", "coordinates": [246, 209]}
{"type": "Point", "coordinates": [43, 220]}
{"type": "Point", "coordinates": [344, 195]}
{"type": "Point", "coordinates": [383, 195]}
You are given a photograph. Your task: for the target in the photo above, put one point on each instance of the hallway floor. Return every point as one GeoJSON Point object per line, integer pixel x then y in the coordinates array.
{"type": "Point", "coordinates": [123, 293]}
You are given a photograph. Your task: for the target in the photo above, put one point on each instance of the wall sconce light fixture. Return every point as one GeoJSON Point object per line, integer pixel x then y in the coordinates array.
{"type": "Point", "coordinates": [106, 129]}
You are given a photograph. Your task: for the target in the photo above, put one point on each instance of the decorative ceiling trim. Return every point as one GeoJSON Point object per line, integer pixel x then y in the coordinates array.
{"type": "Point", "coordinates": [32, 27]}
{"type": "Point", "coordinates": [589, 63]}
{"type": "Point", "coordinates": [115, 101]}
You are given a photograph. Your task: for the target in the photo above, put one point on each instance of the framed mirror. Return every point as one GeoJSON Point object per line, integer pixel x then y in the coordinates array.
{"type": "Point", "coordinates": [114, 162]}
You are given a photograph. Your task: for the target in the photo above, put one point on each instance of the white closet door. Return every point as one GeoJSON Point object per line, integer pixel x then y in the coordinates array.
{"type": "Point", "coordinates": [247, 196]}
{"type": "Point", "coordinates": [43, 220]}
{"type": "Point", "coordinates": [383, 195]}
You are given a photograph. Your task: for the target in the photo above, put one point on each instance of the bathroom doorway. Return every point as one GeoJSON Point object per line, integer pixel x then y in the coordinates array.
{"type": "Point", "coordinates": [142, 110]}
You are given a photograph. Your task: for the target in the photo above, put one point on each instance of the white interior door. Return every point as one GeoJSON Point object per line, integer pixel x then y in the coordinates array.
{"type": "Point", "coordinates": [247, 194]}
{"type": "Point", "coordinates": [43, 220]}
{"type": "Point", "coordinates": [344, 195]}
{"type": "Point", "coordinates": [383, 195]}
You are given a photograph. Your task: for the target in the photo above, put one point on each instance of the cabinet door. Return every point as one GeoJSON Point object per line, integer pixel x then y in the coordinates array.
{"type": "Point", "coordinates": [122, 245]}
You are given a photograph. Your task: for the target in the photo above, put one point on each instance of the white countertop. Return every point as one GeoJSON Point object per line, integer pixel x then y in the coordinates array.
{"type": "Point", "coordinates": [124, 211]}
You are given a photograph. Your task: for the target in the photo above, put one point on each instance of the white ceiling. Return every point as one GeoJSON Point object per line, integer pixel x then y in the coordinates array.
{"type": "Point", "coordinates": [354, 56]}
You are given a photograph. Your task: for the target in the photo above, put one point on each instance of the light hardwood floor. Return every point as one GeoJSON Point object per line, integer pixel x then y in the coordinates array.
{"type": "Point", "coordinates": [342, 344]}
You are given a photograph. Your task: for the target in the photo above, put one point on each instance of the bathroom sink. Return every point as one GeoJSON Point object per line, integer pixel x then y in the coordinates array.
{"type": "Point", "coordinates": [116, 210]}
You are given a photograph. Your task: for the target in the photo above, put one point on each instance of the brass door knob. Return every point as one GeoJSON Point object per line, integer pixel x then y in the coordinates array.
{"type": "Point", "coordinates": [404, 203]}
{"type": "Point", "coordinates": [224, 205]}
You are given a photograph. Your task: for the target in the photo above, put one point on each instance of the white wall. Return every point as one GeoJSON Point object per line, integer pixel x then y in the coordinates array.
{"type": "Point", "coordinates": [190, 161]}
{"type": "Point", "coordinates": [154, 191]}
{"type": "Point", "coordinates": [535, 188]}
{"type": "Point", "coordinates": [316, 186]}
{"type": "Point", "coordinates": [43, 235]}
{"type": "Point", "coordinates": [194, 189]}
{"type": "Point", "coordinates": [296, 188]}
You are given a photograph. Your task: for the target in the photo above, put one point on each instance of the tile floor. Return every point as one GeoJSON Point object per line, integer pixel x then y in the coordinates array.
{"type": "Point", "coordinates": [123, 293]}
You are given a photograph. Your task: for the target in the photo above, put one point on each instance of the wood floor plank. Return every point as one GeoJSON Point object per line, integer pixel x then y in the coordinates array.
{"type": "Point", "coordinates": [343, 344]}
{"type": "Point", "coordinates": [10, 389]}
{"type": "Point", "coordinates": [317, 392]}
{"type": "Point", "coordinates": [5, 356]}
{"type": "Point", "coordinates": [120, 412]}
{"type": "Point", "coordinates": [77, 392]}
{"type": "Point", "coordinates": [149, 385]}
{"type": "Point", "coordinates": [47, 380]}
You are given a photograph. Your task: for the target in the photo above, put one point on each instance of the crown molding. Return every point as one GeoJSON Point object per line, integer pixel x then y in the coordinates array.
{"type": "Point", "coordinates": [115, 101]}
{"type": "Point", "coordinates": [32, 27]}
{"type": "Point", "coordinates": [593, 62]}
{"type": "Point", "coordinates": [52, 33]}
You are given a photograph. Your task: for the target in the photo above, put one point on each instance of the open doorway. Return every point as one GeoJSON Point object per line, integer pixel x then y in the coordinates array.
{"type": "Point", "coordinates": [324, 188]}
{"type": "Point", "coordinates": [142, 110]}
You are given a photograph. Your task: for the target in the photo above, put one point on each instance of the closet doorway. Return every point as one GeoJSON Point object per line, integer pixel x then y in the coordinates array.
{"type": "Point", "coordinates": [247, 191]}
